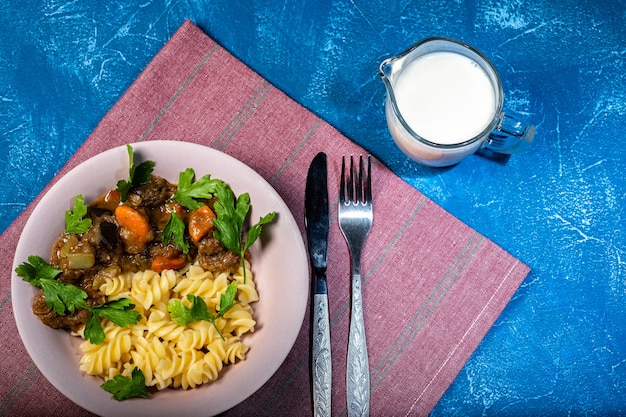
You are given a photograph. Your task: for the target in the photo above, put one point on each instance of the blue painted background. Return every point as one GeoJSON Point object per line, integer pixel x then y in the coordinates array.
{"type": "Point", "coordinates": [559, 348]}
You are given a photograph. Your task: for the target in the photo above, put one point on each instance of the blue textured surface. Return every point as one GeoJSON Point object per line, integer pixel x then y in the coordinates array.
{"type": "Point", "coordinates": [559, 348]}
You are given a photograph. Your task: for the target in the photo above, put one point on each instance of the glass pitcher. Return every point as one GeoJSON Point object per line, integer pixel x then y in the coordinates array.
{"type": "Point", "coordinates": [445, 101]}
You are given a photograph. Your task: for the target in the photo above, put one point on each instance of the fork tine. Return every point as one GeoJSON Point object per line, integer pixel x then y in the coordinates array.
{"type": "Point", "coordinates": [351, 181]}
{"type": "Point", "coordinates": [356, 184]}
{"type": "Point", "coordinates": [342, 184]}
{"type": "Point", "coordinates": [359, 181]}
{"type": "Point", "coordinates": [368, 184]}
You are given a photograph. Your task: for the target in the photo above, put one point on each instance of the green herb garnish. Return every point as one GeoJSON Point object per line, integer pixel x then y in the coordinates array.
{"type": "Point", "coordinates": [137, 175]}
{"type": "Point", "coordinates": [119, 311]}
{"type": "Point", "coordinates": [231, 214]}
{"type": "Point", "coordinates": [198, 310]}
{"type": "Point", "coordinates": [67, 298]}
{"type": "Point", "coordinates": [187, 193]}
{"type": "Point", "coordinates": [60, 298]}
{"type": "Point", "coordinates": [74, 221]}
{"type": "Point", "coordinates": [174, 231]}
{"type": "Point", "coordinates": [188, 190]}
{"type": "Point", "coordinates": [124, 388]}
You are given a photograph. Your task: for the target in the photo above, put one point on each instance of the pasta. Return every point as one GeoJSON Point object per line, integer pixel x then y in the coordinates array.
{"type": "Point", "coordinates": [99, 359]}
{"type": "Point", "coordinates": [169, 355]}
{"type": "Point", "coordinates": [150, 288]}
{"type": "Point", "coordinates": [114, 287]}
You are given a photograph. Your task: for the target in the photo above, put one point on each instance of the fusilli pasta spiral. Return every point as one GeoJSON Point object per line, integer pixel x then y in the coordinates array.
{"type": "Point", "coordinates": [170, 355]}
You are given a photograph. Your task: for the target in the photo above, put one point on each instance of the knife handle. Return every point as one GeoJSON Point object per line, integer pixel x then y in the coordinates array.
{"type": "Point", "coordinates": [357, 374]}
{"type": "Point", "coordinates": [321, 365]}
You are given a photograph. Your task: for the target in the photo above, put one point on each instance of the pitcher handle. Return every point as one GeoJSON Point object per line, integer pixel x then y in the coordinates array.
{"type": "Point", "coordinates": [511, 136]}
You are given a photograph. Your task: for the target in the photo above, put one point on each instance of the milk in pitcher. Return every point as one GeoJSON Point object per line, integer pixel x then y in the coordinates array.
{"type": "Point", "coordinates": [445, 97]}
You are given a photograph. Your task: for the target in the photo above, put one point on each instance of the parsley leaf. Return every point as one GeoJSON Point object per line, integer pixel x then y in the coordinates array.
{"type": "Point", "coordinates": [228, 222]}
{"type": "Point", "coordinates": [227, 300]}
{"type": "Point", "coordinates": [74, 222]}
{"type": "Point", "coordinates": [93, 330]}
{"type": "Point", "coordinates": [60, 298]}
{"type": "Point", "coordinates": [189, 190]}
{"type": "Point", "coordinates": [124, 388]}
{"type": "Point", "coordinates": [115, 310]}
{"type": "Point", "coordinates": [175, 231]}
{"type": "Point", "coordinates": [36, 270]}
{"type": "Point", "coordinates": [119, 311]}
{"type": "Point", "coordinates": [181, 314]}
{"type": "Point", "coordinates": [198, 310]}
{"type": "Point", "coordinates": [187, 193]}
{"type": "Point", "coordinates": [231, 214]}
{"type": "Point", "coordinates": [255, 230]}
{"type": "Point", "coordinates": [67, 298]}
{"type": "Point", "coordinates": [137, 175]}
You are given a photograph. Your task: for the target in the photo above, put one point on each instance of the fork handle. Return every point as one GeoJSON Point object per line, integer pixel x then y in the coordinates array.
{"type": "Point", "coordinates": [357, 375]}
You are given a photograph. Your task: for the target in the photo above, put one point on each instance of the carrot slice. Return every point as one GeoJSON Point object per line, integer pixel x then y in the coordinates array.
{"type": "Point", "coordinates": [133, 221]}
{"type": "Point", "coordinates": [200, 222]}
{"type": "Point", "coordinates": [161, 263]}
{"type": "Point", "coordinates": [135, 228]}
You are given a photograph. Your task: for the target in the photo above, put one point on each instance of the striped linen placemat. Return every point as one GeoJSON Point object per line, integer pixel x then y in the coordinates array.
{"type": "Point", "coordinates": [432, 286]}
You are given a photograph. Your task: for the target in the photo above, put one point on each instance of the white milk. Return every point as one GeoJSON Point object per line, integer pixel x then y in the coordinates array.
{"type": "Point", "coordinates": [445, 97]}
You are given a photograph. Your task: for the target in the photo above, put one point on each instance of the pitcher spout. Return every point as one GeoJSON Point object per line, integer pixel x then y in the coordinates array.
{"type": "Point", "coordinates": [386, 71]}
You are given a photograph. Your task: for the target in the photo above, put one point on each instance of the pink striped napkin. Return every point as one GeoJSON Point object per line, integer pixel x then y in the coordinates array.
{"type": "Point", "coordinates": [432, 286]}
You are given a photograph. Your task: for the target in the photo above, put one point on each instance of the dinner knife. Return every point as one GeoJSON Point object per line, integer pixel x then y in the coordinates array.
{"type": "Point", "coordinates": [317, 225]}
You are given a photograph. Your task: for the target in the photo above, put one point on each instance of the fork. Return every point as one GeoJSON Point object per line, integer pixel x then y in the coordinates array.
{"type": "Point", "coordinates": [355, 221]}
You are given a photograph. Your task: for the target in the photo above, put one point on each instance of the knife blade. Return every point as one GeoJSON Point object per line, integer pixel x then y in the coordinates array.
{"type": "Point", "coordinates": [317, 225]}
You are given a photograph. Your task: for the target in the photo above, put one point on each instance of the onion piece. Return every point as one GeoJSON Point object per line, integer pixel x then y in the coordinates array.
{"type": "Point", "coordinates": [80, 260]}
